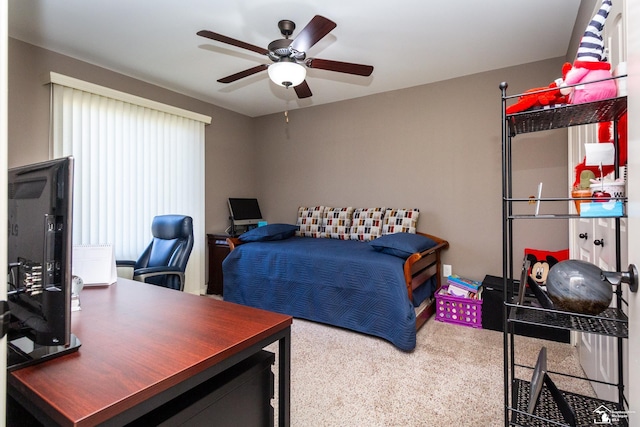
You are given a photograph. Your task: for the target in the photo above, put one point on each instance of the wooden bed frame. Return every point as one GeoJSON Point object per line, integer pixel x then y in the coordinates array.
{"type": "Point", "coordinates": [418, 268]}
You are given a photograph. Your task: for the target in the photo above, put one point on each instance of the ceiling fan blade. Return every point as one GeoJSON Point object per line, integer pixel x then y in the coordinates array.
{"type": "Point", "coordinates": [242, 74]}
{"type": "Point", "coordinates": [302, 90]}
{"type": "Point", "coordinates": [315, 30]}
{"type": "Point", "coordinates": [340, 67]}
{"type": "Point", "coordinates": [233, 42]}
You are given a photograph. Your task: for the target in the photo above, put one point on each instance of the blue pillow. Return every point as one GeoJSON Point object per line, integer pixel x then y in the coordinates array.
{"type": "Point", "coordinates": [269, 232]}
{"type": "Point", "coordinates": [402, 244]}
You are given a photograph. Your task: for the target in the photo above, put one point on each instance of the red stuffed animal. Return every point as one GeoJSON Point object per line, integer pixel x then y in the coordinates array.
{"type": "Point", "coordinates": [604, 135]}
{"type": "Point", "coordinates": [541, 96]}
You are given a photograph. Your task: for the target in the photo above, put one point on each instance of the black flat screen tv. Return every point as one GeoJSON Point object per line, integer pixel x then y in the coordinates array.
{"type": "Point", "coordinates": [40, 207]}
{"type": "Point", "coordinates": [244, 211]}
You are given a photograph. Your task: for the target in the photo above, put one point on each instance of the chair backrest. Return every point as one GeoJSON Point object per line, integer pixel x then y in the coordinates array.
{"type": "Point", "coordinates": [171, 247]}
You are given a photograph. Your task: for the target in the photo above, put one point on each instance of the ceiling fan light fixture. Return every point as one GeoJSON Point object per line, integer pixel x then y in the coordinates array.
{"type": "Point", "coordinates": [287, 73]}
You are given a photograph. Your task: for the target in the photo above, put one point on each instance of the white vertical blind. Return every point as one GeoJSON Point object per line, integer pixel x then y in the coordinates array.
{"type": "Point", "coordinates": [132, 163]}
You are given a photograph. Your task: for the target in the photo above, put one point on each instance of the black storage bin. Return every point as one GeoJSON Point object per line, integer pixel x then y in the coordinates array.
{"type": "Point", "coordinates": [492, 298]}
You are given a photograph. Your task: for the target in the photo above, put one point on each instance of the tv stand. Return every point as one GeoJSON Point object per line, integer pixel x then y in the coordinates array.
{"type": "Point", "coordinates": [22, 351]}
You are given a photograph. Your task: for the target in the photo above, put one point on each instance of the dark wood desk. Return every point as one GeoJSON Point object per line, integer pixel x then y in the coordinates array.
{"type": "Point", "coordinates": [142, 346]}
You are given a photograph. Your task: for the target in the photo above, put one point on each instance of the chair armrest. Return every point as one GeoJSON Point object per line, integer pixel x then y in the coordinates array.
{"type": "Point", "coordinates": [157, 270]}
{"type": "Point", "coordinates": [125, 263]}
{"type": "Point", "coordinates": [125, 268]}
{"type": "Point", "coordinates": [142, 274]}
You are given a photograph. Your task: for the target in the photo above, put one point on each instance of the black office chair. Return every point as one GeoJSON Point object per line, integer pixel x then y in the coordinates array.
{"type": "Point", "coordinates": [164, 261]}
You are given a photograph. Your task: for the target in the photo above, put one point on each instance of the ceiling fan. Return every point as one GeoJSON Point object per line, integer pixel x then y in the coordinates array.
{"type": "Point", "coordinates": [289, 56]}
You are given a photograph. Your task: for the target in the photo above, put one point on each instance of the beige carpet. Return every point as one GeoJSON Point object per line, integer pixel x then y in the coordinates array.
{"type": "Point", "coordinates": [453, 377]}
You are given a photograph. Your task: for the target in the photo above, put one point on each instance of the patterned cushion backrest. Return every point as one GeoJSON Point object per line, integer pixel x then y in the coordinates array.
{"type": "Point", "coordinates": [400, 221]}
{"type": "Point", "coordinates": [310, 221]}
{"type": "Point", "coordinates": [367, 223]}
{"type": "Point", "coordinates": [336, 223]}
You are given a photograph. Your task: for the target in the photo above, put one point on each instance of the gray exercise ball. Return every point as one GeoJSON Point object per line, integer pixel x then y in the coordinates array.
{"type": "Point", "coordinates": [578, 286]}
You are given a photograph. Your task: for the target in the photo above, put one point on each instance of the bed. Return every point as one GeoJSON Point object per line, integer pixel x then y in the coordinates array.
{"type": "Point", "coordinates": [345, 283]}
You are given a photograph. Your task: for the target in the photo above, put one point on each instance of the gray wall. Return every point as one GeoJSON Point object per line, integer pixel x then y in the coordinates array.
{"type": "Point", "coordinates": [436, 147]}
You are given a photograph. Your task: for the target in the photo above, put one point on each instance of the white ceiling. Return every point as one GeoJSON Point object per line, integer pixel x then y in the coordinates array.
{"type": "Point", "coordinates": [409, 42]}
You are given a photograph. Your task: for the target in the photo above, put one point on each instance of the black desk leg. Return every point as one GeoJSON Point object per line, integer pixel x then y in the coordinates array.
{"type": "Point", "coordinates": [284, 380]}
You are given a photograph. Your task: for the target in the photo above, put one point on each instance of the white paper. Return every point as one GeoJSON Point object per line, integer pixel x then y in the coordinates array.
{"type": "Point", "coordinates": [95, 264]}
{"type": "Point", "coordinates": [455, 291]}
{"type": "Point", "coordinates": [602, 153]}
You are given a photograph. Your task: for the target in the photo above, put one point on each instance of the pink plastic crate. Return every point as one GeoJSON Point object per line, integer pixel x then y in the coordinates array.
{"type": "Point", "coordinates": [458, 310]}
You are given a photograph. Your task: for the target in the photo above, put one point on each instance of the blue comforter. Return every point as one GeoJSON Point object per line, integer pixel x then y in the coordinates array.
{"type": "Point", "coordinates": [339, 282]}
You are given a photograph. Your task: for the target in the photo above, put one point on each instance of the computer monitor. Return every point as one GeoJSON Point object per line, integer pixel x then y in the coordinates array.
{"type": "Point", "coordinates": [244, 212]}
{"type": "Point", "coordinates": [40, 207]}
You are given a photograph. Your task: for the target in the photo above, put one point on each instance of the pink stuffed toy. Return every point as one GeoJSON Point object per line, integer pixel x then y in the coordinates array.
{"type": "Point", "coordinates": [591, 64]}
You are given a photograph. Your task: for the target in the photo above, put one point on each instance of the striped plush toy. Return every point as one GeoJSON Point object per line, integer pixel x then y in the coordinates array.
{"type": "Point", "coordinates": [591, 64]}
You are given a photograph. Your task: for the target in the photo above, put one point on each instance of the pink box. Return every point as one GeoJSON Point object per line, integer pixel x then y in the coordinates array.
{"type": "Point", "coordinates": [458, 310]}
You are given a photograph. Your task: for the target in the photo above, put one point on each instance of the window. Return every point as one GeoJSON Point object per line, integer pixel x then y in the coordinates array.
{"type": "Point", "coordinates": [134, 159]}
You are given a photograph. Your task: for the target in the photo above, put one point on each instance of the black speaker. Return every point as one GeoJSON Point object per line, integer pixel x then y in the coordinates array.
{"type": "Point", "coordinates": [492, 298]}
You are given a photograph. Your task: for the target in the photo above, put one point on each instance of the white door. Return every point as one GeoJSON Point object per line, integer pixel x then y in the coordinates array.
{"type": "Point", "coordinates": [594, 240]}
{"type": "Point", "coordinates": [584, 236]}
{"type": "Point", "coordinates": [633, 193]}
{"type": "Point", "coordinates": [598, 353]}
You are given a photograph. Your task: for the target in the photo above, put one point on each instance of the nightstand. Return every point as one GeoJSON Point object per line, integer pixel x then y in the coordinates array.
{"type": "Point", "coordinates": [218, 251]}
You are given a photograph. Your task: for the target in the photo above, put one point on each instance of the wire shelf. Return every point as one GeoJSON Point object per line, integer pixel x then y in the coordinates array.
{"type": "Point", "coordinates": [611, 322]}
{"type": "Point", "coordinates": [566, 115]}
{"type": "Point", "coordinates": [547, 413]}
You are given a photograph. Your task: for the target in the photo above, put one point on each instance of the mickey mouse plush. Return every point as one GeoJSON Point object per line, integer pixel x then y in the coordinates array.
{"type": "Point", "coordinates": [540, 268]}
{"type": "Point", "coordinates": [541, 262]}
